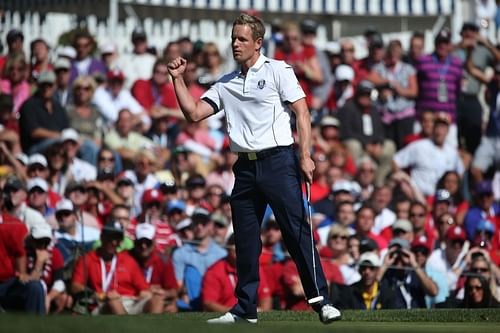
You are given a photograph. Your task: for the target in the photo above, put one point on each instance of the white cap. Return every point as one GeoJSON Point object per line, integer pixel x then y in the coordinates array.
{"type": "Point", "coordinates": [62, 63]}
{"type": "Point", "coordinates": [67, 51]}
{"type": "Point", "coordinates": [333, 47]}
{"type": "Point", "coordinates": [371, 257]}
{"type": "Point", "coordinates": [344, 73]}
{"type": "Point", "coordinates": [23, 158]}
{"type": "Point", "coordinates": [183, 224]}
{"type": "Point", "coordinates": [64, 204]}
{"type": "Point", "coordinates": [37, 159]}
{"type": "Point", "coordinates": [69, 134]}
{"type": "Point", "coordinates": [145, 230]}
{"type": "Point", "coordinates": [108, 48]}
{"type": "Point", "coordinates": [41, 230]}
{"type": "Point", "coordinates": [342, 185]}
{"type": "Point", "coordinates": [37, 182]}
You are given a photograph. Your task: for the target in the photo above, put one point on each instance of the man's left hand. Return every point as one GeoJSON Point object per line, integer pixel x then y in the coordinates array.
{"type": "Point", "coordinates": [307, 167]}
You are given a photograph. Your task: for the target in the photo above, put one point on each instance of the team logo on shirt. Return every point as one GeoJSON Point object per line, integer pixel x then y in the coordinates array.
{"type": "Point", "coordinates": [261, 84]}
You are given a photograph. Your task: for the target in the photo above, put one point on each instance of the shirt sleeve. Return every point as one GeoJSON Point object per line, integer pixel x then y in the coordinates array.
{"type": "Point", "coordinates": [404, 158]}
{"type": "Point", "coordinates": [288, 85]}
{"type": "Point", "coordinates": [212, 97]}
{"type": "Point", "coordinates": [179, 265]}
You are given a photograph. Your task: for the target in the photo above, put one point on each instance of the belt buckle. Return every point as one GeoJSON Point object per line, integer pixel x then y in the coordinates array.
{"type": "Point", "coordinates": [252, 156]}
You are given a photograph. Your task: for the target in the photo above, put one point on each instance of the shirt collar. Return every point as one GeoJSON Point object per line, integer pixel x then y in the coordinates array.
{"type": "Point", "coordinates": [258, 64]}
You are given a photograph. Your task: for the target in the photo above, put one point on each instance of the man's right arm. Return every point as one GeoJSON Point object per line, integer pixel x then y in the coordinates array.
{"type": "Point", "coordinates": [193, 111]}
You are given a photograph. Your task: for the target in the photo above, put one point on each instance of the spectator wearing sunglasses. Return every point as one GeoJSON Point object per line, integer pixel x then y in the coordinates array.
{"type": "Point", "coordinates": [450, 261]}
{"type": "Point", "coordinates": [478, 295]}
{"type": "Point", "coordinates": [157, 268]}
{"type": "Point", "coordinates": [45, 263]}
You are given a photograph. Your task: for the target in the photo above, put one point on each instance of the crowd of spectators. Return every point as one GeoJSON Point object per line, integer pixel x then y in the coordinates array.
{"type": "Point", "coordinates": [113, 203]}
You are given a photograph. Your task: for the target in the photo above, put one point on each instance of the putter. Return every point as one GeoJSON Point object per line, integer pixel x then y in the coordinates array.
{"type": "Point", "coordinates": [318, 298]}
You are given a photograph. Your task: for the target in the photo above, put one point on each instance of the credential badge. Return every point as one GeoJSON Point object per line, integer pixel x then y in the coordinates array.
{"type": "Point", "coordinates": [261, 84]}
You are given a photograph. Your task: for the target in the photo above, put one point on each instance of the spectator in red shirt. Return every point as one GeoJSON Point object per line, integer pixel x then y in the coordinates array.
{"type": "Point", "coordinates": [115, 278]}
{"type": "Point", "coordinates": [303, 59]}
{"type": "Point", "coordinates": [220, 279]}
{"type": "Point", "coordinates": [46, 264]}
{"type": "Point", "coordinates": [17, 290]}
{"type": "Point", "coordinates": [157, 91]}
{"type": "Point", "coordinates": [157, 269]}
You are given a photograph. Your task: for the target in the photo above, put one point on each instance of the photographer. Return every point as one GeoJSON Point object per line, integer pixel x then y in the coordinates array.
{"type": "Point", "coordinates": [402, 273]}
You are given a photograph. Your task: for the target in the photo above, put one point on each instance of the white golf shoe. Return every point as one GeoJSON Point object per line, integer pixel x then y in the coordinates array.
{"type": "Point", "coordinates": [229, 318]}
{"type": "Point", "coordinates": [329, 313]}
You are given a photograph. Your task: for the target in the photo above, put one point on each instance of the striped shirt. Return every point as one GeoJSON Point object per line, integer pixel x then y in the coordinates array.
{"type": "Point", "coordinates": [429, 72]}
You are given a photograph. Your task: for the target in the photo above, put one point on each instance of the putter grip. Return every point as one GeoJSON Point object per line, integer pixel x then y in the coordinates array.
{"type": "Point", "coordinates": [308, 191]}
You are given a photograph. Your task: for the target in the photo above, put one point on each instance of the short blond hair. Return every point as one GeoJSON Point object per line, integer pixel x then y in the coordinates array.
{"type": "Point", "coordinates": [255, 23]}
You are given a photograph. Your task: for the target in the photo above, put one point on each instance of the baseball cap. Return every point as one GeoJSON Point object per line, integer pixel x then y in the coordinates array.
{"type": "Point", "coordinates": [168, 186]}
{"type": "Point", "coordinates": [138, 33]}
{"type": "Point", "coordinates": [483, 187]}
{"type": "Point", "coordinates": [365, 87]}
{"type": "Point", "coordinates": [37, 159]}
{"type": "Point", "coordinates": [471, 26]}
{"type": "Point", "coordinates": [145, 230]}
{"type": "Point", "coordinates": [194, 181]}
{"type": "Point", "coordinates": [369, 259]}
{"type": "Point", "coordinates": [176, 205]}
{"type": "Point", "coordinates": [62, 63]}
{"type": "Point", "coordinates": [13, 184]}
{"type": "Point", "coordinates": [342, 185]}
{"type": "Point", "coordinates": [183, 224]}
{"type": "Point", "coordinates": [41, 230]}
{"type": "Point", "coordinates": [399, 242]}
{"type": "Point", "coordinates": [46, 77]}
{"type": "Point", "coordinates": [442, 117]}
{"type": "Point", "coordinates": [308, 26]}
{"type": "Point", "coordinates": [113, 227]}
{"type": "Point", "coordinates": [200, 212]}
{"type": "Point", "coordinates": [23, 158]}
{"type": "Point", "coordinates": [456, 232]}
{"type": "Point", "coordinates": [329, 121]}
{"type": "Point", "coordinates": [344, 73]}
{"type": "Point", "coordinates": [65, 205]}
{"type": "Point", "coordinates": [333, 48]}
{"type": "Point", "coordinates": [442, 195]}
{"type": "Point", "coordinates": [115, 75]}
{"type": "Point", "coordinates": [367, 244]}
{"type": "Point", "coordinates": [443, 36]}
{"type": "Point", "coordinates": [152, 195]}
{"type": "Point", "coordinates": [220, 219]}
{"type": "Point", "coordinates": [108, 48]}
{"type": "Point", "coordinates": [13, 34]}
{"type": "Point", "coordinates": [74, 185]}
{"type": "Point", "coordinates": [37, 182]}
{"type": "Point", "coordinates": [69, 134]}
{"type": "Point", "coordinates": [420, 242]}
{"type": "Point", "coordinates": [125, 179]}
{"type": "Point", "coordinates": [402, 224]}
{"type": "Point", "coordinates": [67, 52]}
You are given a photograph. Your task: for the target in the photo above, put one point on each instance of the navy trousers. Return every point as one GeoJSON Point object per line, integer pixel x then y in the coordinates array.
{"type": "Point", "coordinates": [29, 297]}
{"type": "Point", "coordinates": [273, 180]}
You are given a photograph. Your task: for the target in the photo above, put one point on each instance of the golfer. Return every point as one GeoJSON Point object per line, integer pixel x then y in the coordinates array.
{"type": "Point", "coordinates": [257, 100]}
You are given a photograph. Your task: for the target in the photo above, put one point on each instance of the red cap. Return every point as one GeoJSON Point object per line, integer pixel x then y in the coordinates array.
{"type": "Point", "coordinates": [116, 75]}
{"type": "Point", "coordinates": [421, 241]}
{"type": "Point", "coordinates": [152, 195]}
{"type": "Point", "coordinates": [456, 232]}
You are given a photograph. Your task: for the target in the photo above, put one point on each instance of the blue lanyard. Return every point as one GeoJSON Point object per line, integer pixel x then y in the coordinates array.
{"type": "Point", "coordinates": [442, 70]}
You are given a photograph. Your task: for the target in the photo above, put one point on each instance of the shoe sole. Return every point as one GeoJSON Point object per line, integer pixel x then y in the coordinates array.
{"type": "Point", "coordinates": [329, 321]}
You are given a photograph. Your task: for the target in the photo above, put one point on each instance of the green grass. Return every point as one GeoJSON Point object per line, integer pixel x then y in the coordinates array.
{"type": "Point", "coordinates": [428, 321]}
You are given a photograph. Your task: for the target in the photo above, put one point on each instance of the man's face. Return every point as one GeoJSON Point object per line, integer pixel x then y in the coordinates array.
{"type": "Point", "coordinates": [38, 170]}
{"type": "Point", "coordinates": [17, 197]}
{"type": "Point", "coordinates": [368, 275]}
{"type": "Point", "coordinates": [78, 196]}
{"type": "Point", "coordinates": [345, 214]}
{"type": "Point", "coordinates": [443, 48]}
{"type": "Point", "coordinates": [122, 215]}
{"type": "Point", "coordinates": [366, 174]}
{"type": "Point", "coordinates": [111, 241]}
{"type": "Point", "coordinates": [16, 45]}
{"type": "Point", "coordinates": [453, 249]}
{"type": "Point", "coordinates": [83, 46]}
{"type": "Point", "coordinates": [144, 247]}
{"type": "Point", "coordinates": [416, 47]}
{"type": "Point", "coordinates": [243, 44]}
{"type": "Point", "coordinates": [427, 123]}
{"type": "Point", "coordinates": [485, 201]}
{"type": "Point", "coordinates": [382, 198]}
{"type": "Point", "coordinates": [124, 123]}
{"type": "Point", "coordinates": [440, 132]}
{"type": "Point", "coordinates": [70, 147]}
{"type": "Point", "coordinates": [160, 75]}
{"type": "Point", "coordinates": [62, 77]}
{"type": "Point", "coordinates": [46, 90]}
{"type": "Point", "coordinates": [365, 221]}
{"type": "Point", "coordinates": [202, 229]}
{"type": "Point", "coordinates": [66, 219]}
{"type": "Point", "coordinates": [37, 198]}
{"type": "Point", "coordinates": [417, 217]}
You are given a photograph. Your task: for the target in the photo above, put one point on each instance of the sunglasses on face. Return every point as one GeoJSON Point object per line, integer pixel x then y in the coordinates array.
{"type": "Point", "coordinates": [420, 215]}
{"type": "Point", "coordinates": [365, 267]}
{"type": "Point", "coordinates": [107, 159]}
{"type": "Point", "coordinates": [144, 242]}
{"type": "Point", "coordinates": [338, 237]}
{"type": "Point", "coordinates": [475, 288]}
{"type": "Point", "coordinates": [479, 270]}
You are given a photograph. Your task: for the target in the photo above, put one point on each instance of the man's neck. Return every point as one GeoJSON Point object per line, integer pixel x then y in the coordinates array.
{"type": "Point", "coordinates": [105, 255]}
{"type": "Point", "coordinates": [249, 63]}
{"type": "Point", "coordinates": [204, 243]}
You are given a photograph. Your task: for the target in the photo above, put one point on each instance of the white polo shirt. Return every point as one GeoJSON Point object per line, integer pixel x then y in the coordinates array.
{"type": "Point", "coordinates": [255, 105]}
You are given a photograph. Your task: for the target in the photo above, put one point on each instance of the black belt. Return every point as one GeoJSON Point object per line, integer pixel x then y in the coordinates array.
{"type": "Point", "coordinates": [263, 153]}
